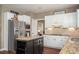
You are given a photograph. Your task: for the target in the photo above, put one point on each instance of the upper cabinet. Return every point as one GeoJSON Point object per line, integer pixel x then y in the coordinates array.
{"type": "Point", "coordinates": [48, 21]}
{"type": "Point", "coordinates": [77, 18]}
{"type": "Point", "coordinates": [57, 19]}
{"type": "Point", "coordinates": [24, 18]}
{"type": "Point", "coordinates": [69, 20]}
{"type": "Point", "coordinates": [65, 20]}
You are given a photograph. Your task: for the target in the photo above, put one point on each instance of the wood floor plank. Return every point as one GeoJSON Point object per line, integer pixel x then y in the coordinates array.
{"type": "Point", "coordinates": [51, 50]}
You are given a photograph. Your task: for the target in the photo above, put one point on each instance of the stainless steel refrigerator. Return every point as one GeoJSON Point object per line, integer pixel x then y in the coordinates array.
{"type": "Point", "coordinates": [14, 30]}
{"type": "Point", "coordinates": [11, 37]}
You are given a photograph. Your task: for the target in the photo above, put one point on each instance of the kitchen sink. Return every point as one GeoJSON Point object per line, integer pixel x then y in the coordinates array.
{"type": "Point", "coordinates": [74, 40]}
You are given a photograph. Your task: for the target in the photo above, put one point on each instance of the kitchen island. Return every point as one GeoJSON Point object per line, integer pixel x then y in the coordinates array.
{"type": "Point", "coordinates": [29, 45]}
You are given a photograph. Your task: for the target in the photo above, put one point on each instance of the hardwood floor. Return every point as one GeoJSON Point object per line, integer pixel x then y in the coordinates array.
{"type": "Point", "coordinates": [51, 50]}
{"type": "Point", "coordinates": [46, 51]}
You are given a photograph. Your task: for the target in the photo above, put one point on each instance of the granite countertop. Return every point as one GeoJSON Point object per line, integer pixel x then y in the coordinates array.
{"type": "Point", "coordinates": [21, 38]}
{"type": "Point", "coordinates": [70, 48]}
{"type": "Point", "coordinates": [58, 34]}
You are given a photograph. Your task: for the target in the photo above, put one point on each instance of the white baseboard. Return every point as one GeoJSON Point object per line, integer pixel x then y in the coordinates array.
{"type": "Point", "coordinates": [3, 49]}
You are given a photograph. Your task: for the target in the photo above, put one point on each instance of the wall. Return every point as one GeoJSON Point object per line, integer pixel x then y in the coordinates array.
{"type": "Point", "coordinates": [0, 26]}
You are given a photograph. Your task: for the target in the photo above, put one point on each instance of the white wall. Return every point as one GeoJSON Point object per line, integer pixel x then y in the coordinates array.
{"type": "Point", "coordinates": [0, 33]}
{"type": "Point", "coordinates": [5, 31]}
{"type": "Point", "coordinates": [33, 27]}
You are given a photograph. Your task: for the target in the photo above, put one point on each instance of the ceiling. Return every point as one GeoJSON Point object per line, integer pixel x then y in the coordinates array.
{"type": "Point", "coordinates": [38, 8]}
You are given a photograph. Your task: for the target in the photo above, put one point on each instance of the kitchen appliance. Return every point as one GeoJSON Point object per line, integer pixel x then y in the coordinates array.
{"type": "Point", "coordinates": [27, 29]}
{"type": "Point", "coordinates": [11, 38]}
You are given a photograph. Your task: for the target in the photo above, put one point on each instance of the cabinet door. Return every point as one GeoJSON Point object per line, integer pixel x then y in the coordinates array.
{"type": "Point", "coordinates": [50, 41]}
{"type": "Point", "coordinates": [45, 40]}
{"type": "Point", "coordinates": [20, 47]}
{"type": "Point", "coordinates": [20, 18]}
{"type": "Point", "coordinates": [24, 18]}
{"type": "Point", "coordinates": [77, 21]}
{"type": "Point", "coordinates": [57, 19]}
{"type": "Point", "coordinates": [48, 21]}
{"type": "Point", "coordinates": [36, 44]}
{"type": "Point", "coordinates": [29, 47]}
{"type": "Point", "coordinates": [60, 41]}
{"type": "Point", "coordinates": [54, 41]}
{"type": "Point", "coordinates": [27, 19]}
{"type": "Point", "coordinates": [69, 20]}
{"type": "Point", "coordinates": [40, 46]}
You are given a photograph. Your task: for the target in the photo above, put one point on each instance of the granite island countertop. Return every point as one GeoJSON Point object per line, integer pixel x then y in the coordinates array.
{"type": "Point", "coordinates": [21, 38]}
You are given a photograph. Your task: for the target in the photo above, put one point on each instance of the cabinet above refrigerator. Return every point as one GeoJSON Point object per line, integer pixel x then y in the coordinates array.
{"type": "Point", "coordinates": [24, 18]}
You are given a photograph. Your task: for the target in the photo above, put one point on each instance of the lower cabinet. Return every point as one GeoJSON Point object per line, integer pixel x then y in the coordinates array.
{"type": "Point", "coordinates": [55, 41]}
{"type": "Point", "coordinates": [30, 47]}
{"type": "Point", "coordinates": [23, 47]}
{"type": "Point", "coordinates": [38, 46]}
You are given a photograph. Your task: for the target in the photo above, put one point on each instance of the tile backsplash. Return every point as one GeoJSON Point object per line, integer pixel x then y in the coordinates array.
{"type": "Point", "coordinates": [62, 31]}
{"type": "Point", "coordinates": [56, 31]}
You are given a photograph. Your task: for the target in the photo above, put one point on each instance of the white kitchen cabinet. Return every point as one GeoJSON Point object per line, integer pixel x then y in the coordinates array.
{"type": "Point", "coordinates": [49, 41]}
{"type": "Point", "coordinates": [60, 41]}
{"type": "Point", "coordinates": [20, 18]}
{"type": "Point", "coordinates": [55, 20]}
{"type": "Point", "coordinates": [27, 19]}
{"type": "Point", "coordinates": [65, 20]}
{"type": "Point", "coordinates": [58, 19]}
{"type": "Point", "coordinates": [69, 20]}
{"type": "Point", "coordinates": [24, 18]}
{"type": "Point", "coordinates": [55, 41]}
{"type": "Point", "coordinates": [77, 21]}
{"type": "Point", "coordinates": [34, 27]}
{"type": "Point", "coordinates": [49, 21]}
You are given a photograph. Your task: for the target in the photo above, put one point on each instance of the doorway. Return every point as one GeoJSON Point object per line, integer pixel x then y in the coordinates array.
{"type": "Point", "coordinates": [0, 31]}
{"type": "Point", "coordinates": [41, 26]}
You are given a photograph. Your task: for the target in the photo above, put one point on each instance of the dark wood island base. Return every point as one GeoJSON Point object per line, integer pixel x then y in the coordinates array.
{"type": "Point", "coordinates": [33, 46]}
